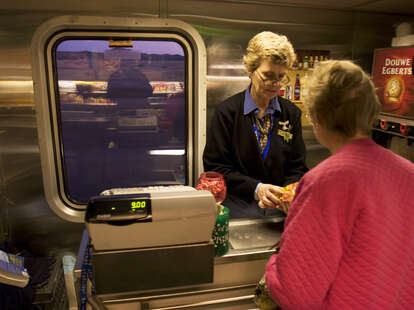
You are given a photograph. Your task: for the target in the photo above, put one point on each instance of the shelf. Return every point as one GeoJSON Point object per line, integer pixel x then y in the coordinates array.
{"type": "Point", "coordinates": [393, 133]}
{"type": "Point", "coordinates": [396, 119]}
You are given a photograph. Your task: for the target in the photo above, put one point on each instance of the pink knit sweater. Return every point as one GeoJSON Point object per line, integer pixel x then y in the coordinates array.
{"type": "Point", "coordinates": [349, 236]}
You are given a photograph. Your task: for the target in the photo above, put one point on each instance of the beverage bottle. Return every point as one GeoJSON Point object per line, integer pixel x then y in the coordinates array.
{"type": "Point", "coordinates": [281, 92]}
{"type": "Point", "coordinates": [288, 92]}
{"type": "Point", "coordinates": [295, 63]}
{"type": "Point", "coordinates": [296, 92]}
{"type": "Point", "coordinates": [305, 63]}
{"type": "Point", "coordinates": [300, 63]}
{"type": "Point", "coordinates": [315, 64]}
{"type": "Point", "coordinates": [310, 62]}
{"type": "Point", "coordinates": [304, 85]}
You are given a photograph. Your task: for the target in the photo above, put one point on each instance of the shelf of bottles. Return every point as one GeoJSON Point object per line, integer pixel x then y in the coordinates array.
{"type": "Point", "coordinates": [298, 77]}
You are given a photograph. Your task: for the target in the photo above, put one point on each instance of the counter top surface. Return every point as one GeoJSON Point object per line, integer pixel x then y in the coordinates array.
{"type": "Point", "coordinates": [252, 239]}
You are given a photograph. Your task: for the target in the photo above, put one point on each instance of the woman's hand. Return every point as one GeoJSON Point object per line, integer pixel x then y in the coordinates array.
{"type": "Point", "coordinates": [269, 194]}
{"type": "Point", "coordinates": [285, 206]}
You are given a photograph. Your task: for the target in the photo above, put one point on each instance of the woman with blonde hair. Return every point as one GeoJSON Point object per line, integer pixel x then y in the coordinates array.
{"type": "Point", "coordinates": [255, 137]}
{"type": "Point", "coordinates": [348, 238]}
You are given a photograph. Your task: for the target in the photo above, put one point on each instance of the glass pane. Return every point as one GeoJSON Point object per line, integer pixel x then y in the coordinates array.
{"type": "Point", "coordinates": [122, 111]}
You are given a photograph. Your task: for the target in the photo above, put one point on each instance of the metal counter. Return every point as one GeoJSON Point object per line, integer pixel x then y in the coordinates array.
{"type": "Point", "coordinates": [235, 274]}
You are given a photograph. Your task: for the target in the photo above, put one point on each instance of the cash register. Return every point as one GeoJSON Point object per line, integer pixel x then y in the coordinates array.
{"type": "Point", "coordinates": [151, 238]}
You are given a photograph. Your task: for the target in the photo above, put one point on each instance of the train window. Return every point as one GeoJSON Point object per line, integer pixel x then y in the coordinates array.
{"type": "Point", "coordinates": [122, 110]}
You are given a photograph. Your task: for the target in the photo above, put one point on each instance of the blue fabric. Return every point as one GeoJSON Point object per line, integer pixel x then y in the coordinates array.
{"type": "Point", "coordinates": [39, 269]}
{"type": "Point", "coordinates": [250, 105]}
{"type": "Point", "coordinates": [256, 190]}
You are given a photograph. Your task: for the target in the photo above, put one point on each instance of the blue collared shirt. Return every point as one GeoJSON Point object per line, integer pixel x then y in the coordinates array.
{"type": "Point", "coordinates": [250, 105]}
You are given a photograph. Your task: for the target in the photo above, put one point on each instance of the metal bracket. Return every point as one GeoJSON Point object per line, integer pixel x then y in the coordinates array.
{"type": "Point", "coordinates": [163, 8]}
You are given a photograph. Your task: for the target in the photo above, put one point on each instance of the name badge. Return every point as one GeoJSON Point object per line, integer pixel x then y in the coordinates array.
{"type": "Point", "coordinates": [286, 135]}
{"type": "Point", "coordinates": [284, 131]}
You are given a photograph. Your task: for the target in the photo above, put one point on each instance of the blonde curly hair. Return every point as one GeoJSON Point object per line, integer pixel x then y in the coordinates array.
{"type": "Point", "coordinates": [270, 46]}
{"type": "Point", "coordinates": [342, 97]}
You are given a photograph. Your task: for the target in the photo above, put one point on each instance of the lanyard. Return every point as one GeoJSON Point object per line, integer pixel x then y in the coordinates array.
{"type": "Point", "coordinates": [269, 136]}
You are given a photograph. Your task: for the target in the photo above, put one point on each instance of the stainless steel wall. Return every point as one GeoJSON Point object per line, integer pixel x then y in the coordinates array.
{"type": "Point", "coordinates": [25, 218]}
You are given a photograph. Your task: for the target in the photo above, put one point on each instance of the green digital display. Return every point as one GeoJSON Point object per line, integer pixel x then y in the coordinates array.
{"type": "Point", "coordinates": [120, 208]}
{"type": "Point", "coordinates": [138, 204]}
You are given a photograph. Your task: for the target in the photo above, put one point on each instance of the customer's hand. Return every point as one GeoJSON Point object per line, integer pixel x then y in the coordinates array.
{"type": "Point", "coordinates": [268, 196]}
{"type": "Point", "coordinates": [285, 206]}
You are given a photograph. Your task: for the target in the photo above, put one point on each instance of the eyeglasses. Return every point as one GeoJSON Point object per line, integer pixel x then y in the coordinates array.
{"type": "Point", "coordinates": [283, 80]}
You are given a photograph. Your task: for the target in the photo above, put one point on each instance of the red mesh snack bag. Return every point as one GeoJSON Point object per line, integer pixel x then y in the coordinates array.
{"type": "Point", "coordinates": [213, 182]}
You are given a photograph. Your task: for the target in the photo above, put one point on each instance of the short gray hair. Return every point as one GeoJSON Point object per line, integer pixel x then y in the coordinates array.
{"type": "Point", "coordinates": [342, 97]}
{"type": "Point", "coordinates": [271, 46]}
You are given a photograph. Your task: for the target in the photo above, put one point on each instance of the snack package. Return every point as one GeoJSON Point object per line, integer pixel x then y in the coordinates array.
{"type": "Point", "coordinates": [262, 297]}
{"type": "Point", "coordinates": [213, 182]}
{"type": "Point", "coordinates": [288, 192]}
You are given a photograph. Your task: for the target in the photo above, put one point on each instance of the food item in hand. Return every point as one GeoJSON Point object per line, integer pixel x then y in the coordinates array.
{"type": "Point", "coordinates": [288, 192]}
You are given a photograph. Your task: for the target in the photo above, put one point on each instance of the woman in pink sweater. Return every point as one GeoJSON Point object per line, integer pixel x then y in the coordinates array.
{"type": "Point", "coordinates": [348, 241]}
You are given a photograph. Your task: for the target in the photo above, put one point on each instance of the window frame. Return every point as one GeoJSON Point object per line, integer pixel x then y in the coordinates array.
{"type": "Point", "coordinates": [46, 91]}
